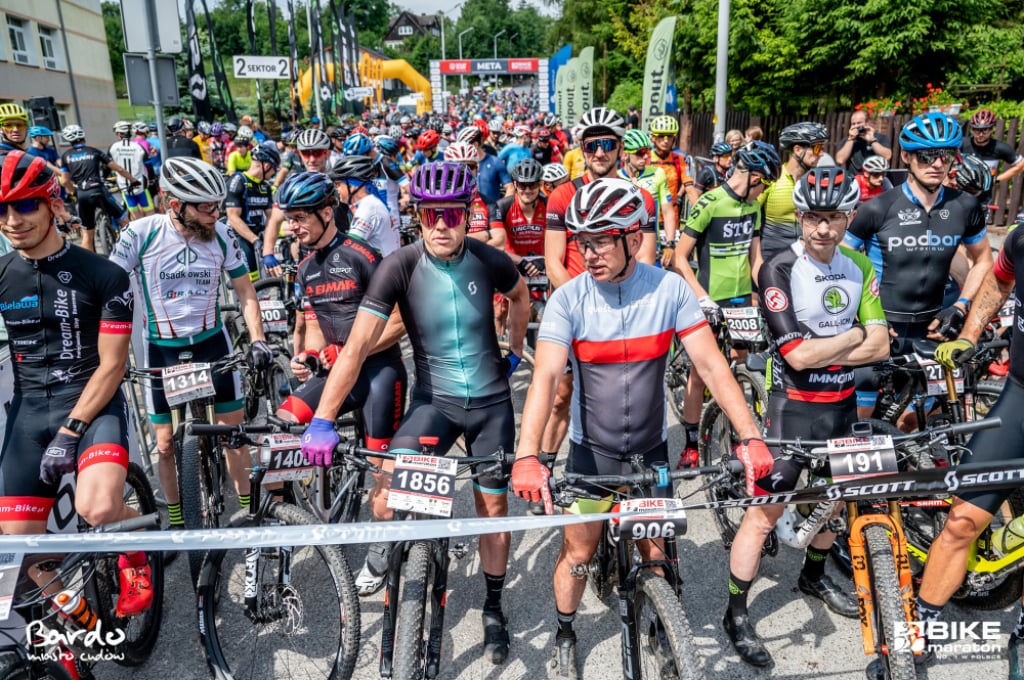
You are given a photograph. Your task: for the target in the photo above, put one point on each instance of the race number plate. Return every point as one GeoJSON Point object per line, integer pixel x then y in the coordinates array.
{"type": "Point", "coordinates": [936, 378]}
{"type": "Point", "coordinates": [185, 382]}
{"type": "Point", "coordinates": [281, 455]}
{"type": "Point", "coordinates": [275, 316]}
{"type": "Point", "coordinates": [423, 484]}
{"type": "Point", "coordinates": [744, 323]}
{"type": "Point", "coordinates": [661, 518]}
{"type": "Point", "coordinates": [1006, 313]}
{"type": "Point", "coordinates": [10, 564]}
{"type": "Point", "coordinates": [856, 457]}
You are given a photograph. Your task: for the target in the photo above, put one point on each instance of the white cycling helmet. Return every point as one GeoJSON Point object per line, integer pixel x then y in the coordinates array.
{"type": "Point", "coordinates": [73, 133]}
{"type": "Point", "coordinates": [601, 121]}
{"type": "Point", "coordinates": [123, 127]}
{"type": "Point", "coordinates": [554, 172]}
{"type": "Point", "coordinates": [313, 138]}
{"type": "Point", "coordinates": [140, 127]}
{"type": "Point", "coordinates": [192, 180]}
{"type": "Point", "coordinates": [875, 164]}
{"type": "Point", "coordinates": [461, 152]}
{"type": "Point", "coordinates": [244, 134]}
{"type": "Point", "coordinates": [607, 205]}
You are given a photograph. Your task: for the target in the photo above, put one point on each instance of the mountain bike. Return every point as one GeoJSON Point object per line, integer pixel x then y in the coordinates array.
{"type": "Point", "coordinates": [264, 610]}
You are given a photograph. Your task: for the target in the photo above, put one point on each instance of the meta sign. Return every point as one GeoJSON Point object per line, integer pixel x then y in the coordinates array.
{"type": "Point", "coordinates": [465, 67]}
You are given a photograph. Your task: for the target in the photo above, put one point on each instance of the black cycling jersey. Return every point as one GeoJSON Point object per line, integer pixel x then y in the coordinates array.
{"type": "Point", "coordinates": [1009, 266]}
{"type": "Point", "coordinates": [55, 309]}
{"type": "Point", "coordinates": [253, 196]}
{"type": "Point", "coordinates": [993, 153]}
{"type": "Point", "coordinates": [542, 154]}
{"type": "Point", "coordinates": [87, 166]}
{"type": "Point", "coordinates": [182, 146]}
{"type": "Point", "coordinates": [332, 281]}
{"type": "Point", "coordinates": [708, 178]}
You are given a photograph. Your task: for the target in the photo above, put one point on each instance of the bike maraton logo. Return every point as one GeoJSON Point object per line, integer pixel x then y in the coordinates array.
{"type": "Point", "coordinates": [978, 640]}
{"type": "Point", "coordinates": [187, 256]}
{"type": "Point", "coordinates": [835, 300]}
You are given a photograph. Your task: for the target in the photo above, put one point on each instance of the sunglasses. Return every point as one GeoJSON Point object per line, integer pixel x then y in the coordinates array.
{"type": "Point", "coordinates": [527, 186]}
{"type": "Point", "coordinates": [13, 125]}
{"type": "Point", "coordinates": [607, 145]}
{"type": "Point", "coordinates": [929, 156]}
{"type": "Point", "coordinates": [816, 148]}
{"type": "Point", "coordinates": [600, 245]}
{"type": "Point", "coordinates": [641, 152]}
{"type": "Point", "coordinates": [313, 153]}
{"type": "Point", "coordinates": [23, 206]}
{"type": "Point", "coordinates": [205, 208]}
{"type": "Point", "coordinates": [813, 219]}
{"type": "Point", "coordinates": [663, 136]}
{"type": "Point", "coordinates": [452, 217]}
{"type": "Point", "coordinates": [876, 175]}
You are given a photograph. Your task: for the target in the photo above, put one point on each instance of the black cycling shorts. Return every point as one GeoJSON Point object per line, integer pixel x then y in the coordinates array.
{"type": "Point", "coordinates": [586, 461]}
{"type": "Point", "coordinates": [486, 428]}
{"type": "Point", "coordinates": [998, 444]}
{"type": "Point", "coordinates": [379, 391]}
{"type": "Point", "coordinates": [90, 201]}
{"type": "Point", "coordinates": [213, 348]}
{"type": "Point", "coordinates": [249, 251]}
{"type": "Point", "coordinates": [32, 423]}
{"type": "Point", "coordinates": [789, 419]}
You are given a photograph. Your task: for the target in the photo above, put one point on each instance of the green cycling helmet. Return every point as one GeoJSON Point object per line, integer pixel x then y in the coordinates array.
{"type": "Point", "coordinates": [635, 140]}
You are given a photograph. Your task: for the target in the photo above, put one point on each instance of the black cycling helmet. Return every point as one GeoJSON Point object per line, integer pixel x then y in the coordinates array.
{"type": "Point", "coordinates": [175, 124]}
{"type": "Point", "coordinates": [527, 171]}
{"type": "Point", "coordinates": [267, 153]}
{"type": "Point", "coordinates": [972, 174]}
{"type": "Point", "coordinates": [759, 157]}
{"type": "Point", "coordinates": [721, 149]}
{"type": "Point", "coordinates": [806, 133]}
{"type": "Point", "coordinates": [359, 168]}
{"type": "Point", "coordinates": [826, 190]}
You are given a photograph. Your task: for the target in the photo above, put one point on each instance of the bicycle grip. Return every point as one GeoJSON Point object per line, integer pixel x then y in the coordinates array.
{"type": "Point", "coordinates": [975, 426]}
{"type": "Point", "coordinates": [150, 521]}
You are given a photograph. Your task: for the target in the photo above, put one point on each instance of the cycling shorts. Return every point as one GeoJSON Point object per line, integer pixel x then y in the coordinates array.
{"type": "Point", "coordinates": [228, 385]}
{"type": "Point", "coordinates": [140, 201]}
{"type": "Point", "coordinates": [998, 444]}
{"type": "Point", "coordinates": [249, 251]}
{"type": "Point", "coordinates": [32, 423]}
{"type": "Point", "coordinates": [867, 378]}
{"type": "Point", "coordinates": [91, 201]}
{"type": "Point", "coordinates": [789, 419]}
{"type": "Point", "coordinates": [486, 428]}
{"type": "Point", "coordinates": [585, 461]}
{"type": "Point", "coordinates": [379, 391]}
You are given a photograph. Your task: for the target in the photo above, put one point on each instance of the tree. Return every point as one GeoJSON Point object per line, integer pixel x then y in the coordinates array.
{"type": "Point", "coordinates": [115, 37]}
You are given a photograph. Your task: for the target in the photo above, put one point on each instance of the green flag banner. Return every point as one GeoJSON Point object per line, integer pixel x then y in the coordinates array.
{"type": "Point", "coordinates": [656, 71]}
{"type": "Point", "coordinates": [571, 78]}
{"type": "Point", "coordinates": [560, 81]}
{"type": "Point", "coordinates": [585, 81]}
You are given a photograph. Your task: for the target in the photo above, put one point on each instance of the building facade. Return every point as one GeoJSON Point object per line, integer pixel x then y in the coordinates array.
{"type": "Point", "coordinates": [407, 25]}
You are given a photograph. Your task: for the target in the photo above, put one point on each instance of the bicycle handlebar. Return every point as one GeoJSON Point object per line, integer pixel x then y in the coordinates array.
{"type": "Point", "coordinates": [150, 521]}
{"type": "Point", "coordinates": [646, 477]}
{"type": "Point", "coordinates": [950, 429]}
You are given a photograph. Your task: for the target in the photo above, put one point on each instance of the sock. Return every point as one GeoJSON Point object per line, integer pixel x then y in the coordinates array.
{"type": "Point", "coordinates": [243, 500]}
{"type": "Point", "coordinates": [174, 515]}
{"type": "Point", "coordinates": [566, 626]}
{"type": "Point", "coordinates": [1018, 631]}
{"type": "Point", "coordinates": [738, 595]}
{"type": "Point", "coordinates": [690, 430]}
{"type": "Point", "coordinates": [814, 563]}
{"type": "Point", "coordinates": [495, 584]}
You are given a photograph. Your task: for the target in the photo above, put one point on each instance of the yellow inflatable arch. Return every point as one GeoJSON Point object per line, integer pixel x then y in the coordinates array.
{"type": "Point", "coordinates": [391, 68]}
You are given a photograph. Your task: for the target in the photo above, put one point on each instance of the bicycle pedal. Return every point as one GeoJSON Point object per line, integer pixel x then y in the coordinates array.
{"type": "Point", "coordinates": [459, 550]}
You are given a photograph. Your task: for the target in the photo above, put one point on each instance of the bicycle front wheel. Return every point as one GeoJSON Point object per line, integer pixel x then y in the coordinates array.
{"type": "Point", "coordinates": [417, 577]}
{"type": "Point", "coordinates": [666, 645]}
{"type": "Point", "coordinates": [302, 619]}
{"type": "Point", "coordinates": [885, 590]}
{"type": "Point", "coordinates": [196, 492]}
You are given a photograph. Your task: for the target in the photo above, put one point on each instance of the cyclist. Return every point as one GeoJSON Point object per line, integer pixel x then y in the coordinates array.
{"type": "Point", "coordinates": [13, 127]}
{"type": "Point", "coordinates": [241, 156]}
{"type": "Point", "coordinates": [517, 151]}
{"type": "Point", "coordinates": [522, 217]}
{"type": "Point", "coordinates": [664, 130]}
{"type": "Point", "coordinates": [493, 179]}
{"type": "Point", "coordinates": [714, 174]}
{"type": "Point", "coordinates": [614, 323]}
{"type": "Point", "coordinates": [178, 141]}
{"type": "Point", "coordinates": [216, 146]}
{"type": "Point", "coordinates": [132, 157]}
{"type": "Point", "coordinates": [248, 202]}
{"type": "Point", "coordinates": [480, 226]}
{"type": "Point", "coordinates": [553, 176]}
{"type": "Point", "coordinates": [68, 314]}
{"type": "Point", "coordinates": [337, 137]}
{"type": "Point", "coordinates": [573, 158]}
{"type": "Point", "coordinates": [542, 150]}
{"type": "Point", "coordinates": [805, 143]}
{"type": "Point", "coordinates": [370, 220]}
{"type": "Point", "coordinates": [332, 281]}
{"type": "Point", "coordinates": [204, 132]}
{"type": "Point", "coordinates": [872, 178]}
{"type": "Point", "coordinates": [724, 227]}
{"type": "Point", "coordinates": [637, 146]}
{"type": "Point", "coordinates": [993, 151]}
{"type": "Point", "coordinates": [911, 234]}
{"type": "Point", "coordinates": [179, 257]}
{"type": "Point", "coordinates": [461, 383]}
{"type": "Point", "coordinates": [41, 138]}
{"type": "Point", "coordinates": [824, 318]}
{"type": "Point", "coordinates": [971, 174]}
{"type": "Point", "coordinates": [426, 149]}
{"type": "Point", "coordinates": [85, 166]}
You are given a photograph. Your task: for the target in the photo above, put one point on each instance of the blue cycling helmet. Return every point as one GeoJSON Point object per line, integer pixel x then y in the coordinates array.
{"type": "Point", "coordinates": [759, 157]}
{"type": "Point", "coordinates": [721, 149]}
{"type": "Point", "coordinates": [934, 130]}
{"type": "Point", "coordinates": [306, 191]}
{"type": "Point", "coordinates": [357, 145]}
{"type": "Point", "coordinates": [39, 131]}
{"type": "Point", "coordinates": [386, 144]}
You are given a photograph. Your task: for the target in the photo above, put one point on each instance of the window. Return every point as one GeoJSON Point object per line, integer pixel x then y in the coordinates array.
{"type": "Point", "coordinates": [21, 49]}
{"type": "Point", "coordinates": [49, 47]}
{"type": "Point", "coordinates": [405, 30]}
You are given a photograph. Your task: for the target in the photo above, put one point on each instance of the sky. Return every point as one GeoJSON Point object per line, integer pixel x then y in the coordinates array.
{"type": "Point", "coordinates": [434, 6]}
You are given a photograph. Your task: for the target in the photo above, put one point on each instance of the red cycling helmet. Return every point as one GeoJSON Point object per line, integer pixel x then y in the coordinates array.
{"type": "Point", "coordinates": [24, 176]}
{"type": "Point", "coordinates": [428, 140]}
{"type": "Point", "coordinates": [541, 133]}
{"type": "Point", "coordinates": [485, 131]}
{"type": "Point", "coordinates": [983, 119]}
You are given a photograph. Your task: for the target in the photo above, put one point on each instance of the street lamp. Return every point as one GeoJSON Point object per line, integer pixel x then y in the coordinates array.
{"type": "Point", "coordinates": [496, 36]}
{"type": "Point", "coordinates": [444, 78]}
{"type": "Point", "coordinates": [462, 78]}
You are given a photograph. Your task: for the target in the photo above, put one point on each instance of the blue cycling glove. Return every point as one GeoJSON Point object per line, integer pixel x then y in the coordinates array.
{"type": "Point", "coordinates": [510, 362]}
{"type": "Point", "coordinates": [319, 441]}
{"type": "Point", "coordinates": [270, 261]}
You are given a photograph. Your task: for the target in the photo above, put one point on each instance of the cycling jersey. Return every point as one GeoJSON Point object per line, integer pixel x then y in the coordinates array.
{"type": "Point", "coordinates": [708, 178]}
{"type": "Point", "coordinates": [87, 167]}
{"type": "Point", "coordinates": [619, 336]}
{"type": "Point", "coordinates": [371, 222]}
{"type": "Point", "coordinates": [802, 298]}
{"type": "Point", "coordinates": [132, 158]}
{"type": "Point", "coordinates": [513, 154]}
{"type": "Point", "coordinates": [204, 148]}
{"type": "Point", "coordinates": [390, 184]}
{"type": "Point", "coordinates": [911, 249]}
{"type": "Point", "coordinates": [573, 162]}
{"type": "Point", "coordinates": [447, 310]}
{"type": "Point", "coordinates": [238, 161]}
{"type": "Point", "coordinates": [491, 178]}
{"type": "Point", "coordinates": [779, 226]}
{"type": "Point", "coordinates": [182, 146]}
{"type": "Point", "coordinates": [253, 197]}
{"type": "Point", "coordinates": [654, 181]}
{"type": "Point", "coordinates": [217, 156]}
{"type": "Point", "coordinates": [1009, 266]}
{"type": "Point", "coordinates": [55, 310]}
{"type": "Point", "coordinates": [993, 153]}
{"type": "Point", "coordinates": [867, 191]}
{"type": "Point", "coordinates": [542, 154]}
{"type": "Point", "coordinates": [332, 281]}
{"type": "Point", "coordinates": [525, 237]}
{"type": "Point", "coordinates": [479, 218]}
{"type": "Point", "coordinates": [724, 227]}
{"type": "Point", "coordinates": [179, 277]}
{"type": "Point", "coordinates": [675, 166]}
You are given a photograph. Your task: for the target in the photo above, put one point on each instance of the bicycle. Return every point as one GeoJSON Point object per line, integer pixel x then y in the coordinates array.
{"type": "Point", "coordinates": [81, 598]}
{"type": "Point", "coordinates": [657, 640]}
{"type": "Point", "coordinates": [262, 609]}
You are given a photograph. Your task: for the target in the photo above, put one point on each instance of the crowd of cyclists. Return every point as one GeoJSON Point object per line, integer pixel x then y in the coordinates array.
{"type": "Point", "coordinates": [427, 228]}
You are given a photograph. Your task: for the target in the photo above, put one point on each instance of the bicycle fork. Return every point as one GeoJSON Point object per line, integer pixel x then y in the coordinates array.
{"type": "Point", "coordinates": [438, 601]}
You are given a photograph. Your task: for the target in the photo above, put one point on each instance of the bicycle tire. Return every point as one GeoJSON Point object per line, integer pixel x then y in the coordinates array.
{"type": "Point", "coordinates": [667, 648]}
{"type": "Point", "coordinates": [417, 579]}
{"type": "Point", "coordinates": [195, 493]}
{"type": "Point", "coordinates": [143, 629]}
{"type": "Point", "coordinates": [104, 238]}
{"type": "Point", "coordinates": [12, 667]}
{"type": "Point", "coordinates": [235, 646]}
{"type": "Point", "coordinates": [885, 591]}
{"type": "Point", "coordinates": [986, 393]}
{"type": "Point", "coordinates": [714, 443]}
{"type": "Point", "coordinates": [602, 569]}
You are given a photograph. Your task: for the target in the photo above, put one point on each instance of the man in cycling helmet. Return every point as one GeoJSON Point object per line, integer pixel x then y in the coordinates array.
{"type": "Point", "coordinates": [911, 234]}
{"type": "Point", "coordinates": [248, 203]}
{"type": "Point", "coordinates": [872, 178]}
{"type": "Point", "coordinates": [132, 157]}
{"type": "Point", "coordinates": [862, 140]}
{"type": "Point", "coordinates": [179, 143]}
{"type": "Point", "coordinates": [637, 146]}
{"type": "Point", "coordinates": [370, 220]}
{"type": "Point", "coordinates": [468, 397]}
{"type": "Point", "coordinates": [824, 318]}
{"type": "Point", "coordinates": [542, 151]}
{"type": "Point", "coordinates": [426, 148]}
{"type": "Point", "coordinates": [202, 139]}
{"type": "Point", "coordinates": [337, 137]}
{"type": "Point", "coordinates": [805, 143]}
{"type": "Point", "coordinates": [41, 146]}
{"type": "Point", "coordinates": [179, 257]}
{"type": "Point", "coordinates": [714, 175]}
{"type": "Point", "coordinates": [517, 151]}
{"type": "Point", "coordinates": [972, 174]}
{"type": "Point", "coordinates": [676, 165]}
{"type": "Point", "coordinates": [493, 178]}
{"type": "Point", "coordinates": [240, 156]}
{"type": "Point", "coordinates": [604, 322]}
{"type": "Point", "coordinates": [391, 181]}
{"type": "Point", "coordinates": [991, 150]}
{"type": "Point", "coordinates": [553, 176]}
{"type": "Point", "coordinates": [522, 217]}
{"type": "Point", "coordinates": [13, 127]}
{"type": "Point", "coordinates": [480, 210]}
{"type": "Point", "coordinates": [723, 228]}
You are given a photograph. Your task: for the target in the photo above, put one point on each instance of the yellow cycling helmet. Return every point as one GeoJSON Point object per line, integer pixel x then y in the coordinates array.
{"type": "Point", "coordinates": [8, 111]}
{"type": "Point", "coordinates": [664, 125]}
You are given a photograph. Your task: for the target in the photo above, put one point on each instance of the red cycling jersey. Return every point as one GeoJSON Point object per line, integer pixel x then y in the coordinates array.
{"type": "Point", "coordinates": [478, 214]}
{"type": "Point", "coordinates": [525, 236]}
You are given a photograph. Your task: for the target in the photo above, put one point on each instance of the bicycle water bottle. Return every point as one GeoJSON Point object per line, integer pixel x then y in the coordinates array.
{"type": "Point", "coordinates": [74, 608]}
{"type": "Point", "coordinates": [1010, 537]}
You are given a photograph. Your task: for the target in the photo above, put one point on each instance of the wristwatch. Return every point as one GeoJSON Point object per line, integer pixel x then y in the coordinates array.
{"type": "Point", "coordinates": [77, 426]}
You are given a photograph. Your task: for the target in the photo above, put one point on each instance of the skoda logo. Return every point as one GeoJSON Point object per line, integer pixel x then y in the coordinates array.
{"type": "Point", "coordinates": [187, 256]}
{"type": "Point", "coordinates": [835, 300]}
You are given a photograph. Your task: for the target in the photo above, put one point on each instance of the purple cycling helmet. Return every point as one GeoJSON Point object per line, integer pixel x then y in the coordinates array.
{"type": "Point", "coordinates": [443, 181]}
{"type": "Point", "coordinates": [216, 129]}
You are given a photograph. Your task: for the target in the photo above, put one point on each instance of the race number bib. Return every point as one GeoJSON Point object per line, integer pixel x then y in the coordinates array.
{"type": "Point", "coordinates": [661, 518]}
{"type": "Point", "coordinates": [936, 377]}
{"type": "Point", "coordinates": [185, 382]}
{"type": "Point", "coordinates": [423, 484]}
{"type": "Point", "coordinates": [10, 565]}
{"type": "Point", "coordinates": [275, 316]}
{"type": "Point", "coordinates": [856, 457]}
{"type": "Point", "coordinates": [281, 455]}
{"type": "Point", "coordinates": [744, 323]}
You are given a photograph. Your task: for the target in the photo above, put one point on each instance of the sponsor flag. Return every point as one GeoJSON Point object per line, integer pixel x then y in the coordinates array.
{"type": "Point", "coordinates": [657, 71]}
{"type": "Point", "coordinates": [218, 70]}
{"type": "Point", "coordinates": [571, 74]}
{"type": "Point", "coordinates": [293, 52]}
{"type": "Point", "coordinates": [585, 81]}
{"type": "Point", "coordinates": [555, 64]}
{"type": "Point", "coordinates": [196, 73]}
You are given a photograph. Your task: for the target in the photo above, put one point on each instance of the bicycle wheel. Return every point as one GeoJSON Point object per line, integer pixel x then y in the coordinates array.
{"type": "Point", "coordinates": [12, 667]}
{"type": "Point", "coordinates": [141, 631]}
{"type": "Point", "coordinates": [602, 571]}
{"type": "Point", "coordinates": [986, 393]}
{"type": "Point", "coordinates": [754, 391]}
{"type": "Point", "coordinates": [417, 578]}
{"type": "Point", "coordinates": [885, 591]}
{"type": "Point", "coordinates": [196, 491]}
{"type": "Point", "coordinates": [666, 645]}
{"type": "Point", "coordinates": [305, 610]}
{"type": "Point", "coordinates": [677, 373]}
{"type": "Point", "coordinates": [105, 237]}
{"type": "Point", "coordinates": [714, 442]}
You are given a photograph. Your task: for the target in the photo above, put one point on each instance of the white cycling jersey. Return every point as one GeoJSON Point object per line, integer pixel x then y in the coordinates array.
{"type": "Point", "coordinates": [179, 277]}
{"type": "Point", "coordinates": [131, 157]}
{"type": "Point", "coordinates": [392, 189]}
{"type": "Point", "coordinates": [371, 222]}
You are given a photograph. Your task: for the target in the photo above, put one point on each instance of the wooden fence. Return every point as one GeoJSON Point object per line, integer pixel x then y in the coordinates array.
{"type": "Point", "coordinates": [696, 133]}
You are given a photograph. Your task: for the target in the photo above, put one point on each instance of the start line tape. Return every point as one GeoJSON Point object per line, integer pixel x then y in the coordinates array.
{"type": "Point", "coordinates": [940, 481]}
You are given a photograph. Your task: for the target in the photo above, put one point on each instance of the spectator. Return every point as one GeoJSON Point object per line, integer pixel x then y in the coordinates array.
{"type": "Point", "coordinates": [862, 140]}
{"type": "Point", "coordinates": [734, 138]}
{"type": "Point", "coordinates": [632, 119]}
{"type": "Point", "coordinates": [753, 134]}
{"type": "Point", "coordinates": [993, 151]}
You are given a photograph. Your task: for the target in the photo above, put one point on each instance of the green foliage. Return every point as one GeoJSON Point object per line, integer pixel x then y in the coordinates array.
{"type": "Point", "coordinates": [115, 37]}
{"type": "Point", "coordinates": [1002, 109]}
{"type": "Point", "coordinates": [626, 94]}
